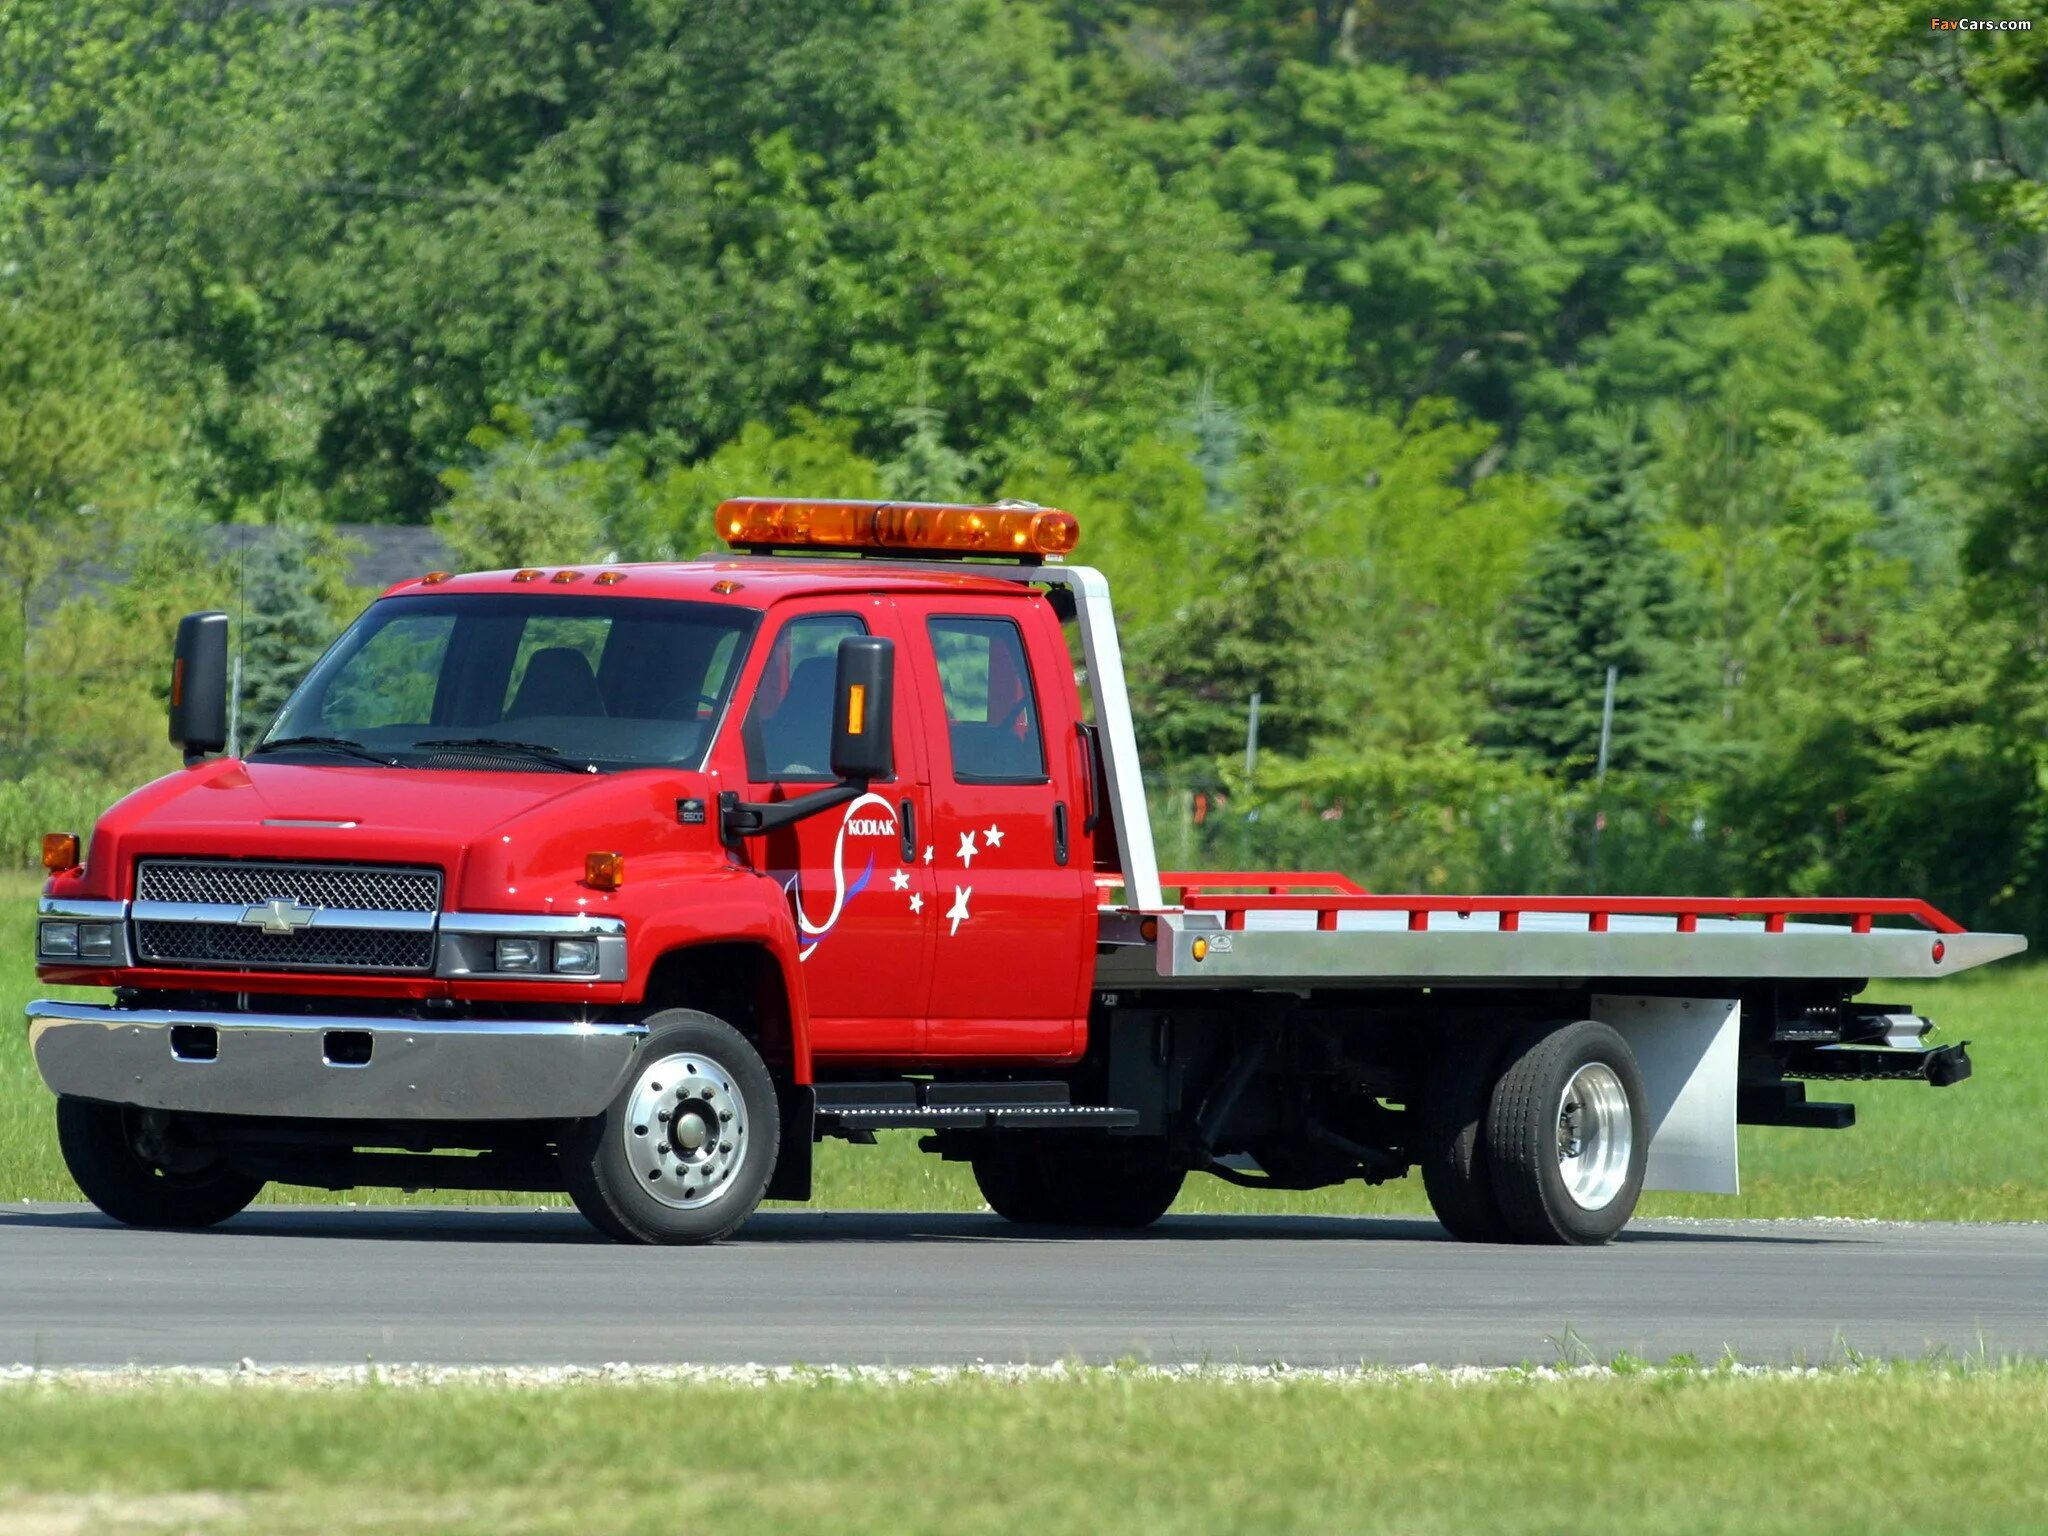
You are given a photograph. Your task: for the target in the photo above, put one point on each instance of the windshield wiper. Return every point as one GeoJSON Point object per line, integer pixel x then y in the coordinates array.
{"type": "Point", "coordinates": [324, 744]}
{"type": "Point", "coordinates": [541, 753]}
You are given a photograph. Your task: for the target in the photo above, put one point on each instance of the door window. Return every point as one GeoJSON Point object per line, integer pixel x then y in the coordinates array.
{"type": "Point", "coordinates": [991, 715]}
{"type": "Point", "coordinates": [788, 731]}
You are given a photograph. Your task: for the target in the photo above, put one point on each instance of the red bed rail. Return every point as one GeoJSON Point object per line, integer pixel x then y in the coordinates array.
{"type": "Point", "coordinates": [1687, 910]}
{"type": "Point", "coordinates": [1195, 883]}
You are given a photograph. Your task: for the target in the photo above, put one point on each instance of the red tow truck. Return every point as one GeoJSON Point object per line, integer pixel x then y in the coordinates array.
{"type": "Point", "coordinates": [635, 881]}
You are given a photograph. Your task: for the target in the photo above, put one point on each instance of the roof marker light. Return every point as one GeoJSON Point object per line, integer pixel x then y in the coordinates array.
{"type": "Point", "coordinates": [610, 578]}
{"type": "Point", "coordinates": [563, 578]}
{"type": "Point", "coordinates": [434, 578]}
{"type": "Point", "coordinates": [1013, 529]}
{"type": "Point", "coordinates": [528, 574]}
{"type": "Point", "coordinates": [726, 588]}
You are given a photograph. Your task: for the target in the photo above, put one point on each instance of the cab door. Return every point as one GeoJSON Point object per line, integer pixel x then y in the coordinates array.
{"type": "Point", "coordinates": [860, 893]}
{"type": "Point", "coordinates": [1010, 861]}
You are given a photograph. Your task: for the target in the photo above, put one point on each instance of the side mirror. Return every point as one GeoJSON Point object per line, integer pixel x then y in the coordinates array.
{"type": "Point", "coordinates": [199, 685]}
{"type": "Point", "coordinates": [863, 710]}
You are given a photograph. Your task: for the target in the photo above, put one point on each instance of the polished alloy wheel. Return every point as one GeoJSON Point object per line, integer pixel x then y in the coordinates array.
{"type": "Point", "coordinates": [685, 1130]}
{"type": "Point", "coordinates": [1595, 1135]}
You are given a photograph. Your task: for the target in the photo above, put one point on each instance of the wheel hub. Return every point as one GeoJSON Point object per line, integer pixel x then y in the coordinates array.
{"type": "Point", "coordinates": [685, 1129]}
{"type": "Point", "coordinates": [1595, 1136]}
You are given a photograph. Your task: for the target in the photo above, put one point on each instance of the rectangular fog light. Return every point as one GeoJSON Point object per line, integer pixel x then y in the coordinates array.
{"type": "Point", "coordinates": [96, 941]}
{"type": "Point", "coordinates": [576, 957]}
{"type": "Point", "coordinates": [518, 954]}
{"type": "Point", "coordinates": [59, 940]}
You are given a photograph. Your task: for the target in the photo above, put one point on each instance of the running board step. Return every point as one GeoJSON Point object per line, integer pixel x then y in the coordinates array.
{"type": "Point", "coordinates": [902, 1104]}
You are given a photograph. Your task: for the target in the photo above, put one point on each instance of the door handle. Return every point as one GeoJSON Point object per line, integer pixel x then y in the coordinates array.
{"type": "Point", "coordinates": [906, 824]}
{"type": "Point", "coordinates": [1059, 831]}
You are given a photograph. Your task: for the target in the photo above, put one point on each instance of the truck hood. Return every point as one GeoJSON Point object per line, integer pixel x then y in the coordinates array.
{"type": "Point", "coordinates": [505, 840]}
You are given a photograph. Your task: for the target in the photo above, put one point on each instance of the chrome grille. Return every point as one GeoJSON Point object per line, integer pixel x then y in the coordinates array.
{"type": "Point", "coordinates": [205, 939]}
{"type": "Point", "coordinates": [365, 887]}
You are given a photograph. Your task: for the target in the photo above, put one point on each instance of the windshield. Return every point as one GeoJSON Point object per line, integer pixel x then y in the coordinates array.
{"type": "Point", "coordinates": [522, 683]}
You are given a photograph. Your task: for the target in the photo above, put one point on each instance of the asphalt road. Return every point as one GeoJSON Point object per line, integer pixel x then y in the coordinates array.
{"type": "Point", "coordinates": [319, 1285]}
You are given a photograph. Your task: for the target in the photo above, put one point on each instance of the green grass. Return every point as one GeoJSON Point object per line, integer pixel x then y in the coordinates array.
{"type": "Point", "coordinates": [1976, 1152]}
{"type": "Point", "coordinates": [1653, 1452]}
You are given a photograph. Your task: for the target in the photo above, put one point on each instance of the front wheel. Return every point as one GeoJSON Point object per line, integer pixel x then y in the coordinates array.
{"type": "Point", "coordinates": [686, 1150]}
{"type": "Point", "coordinates": [1101, 1183]}
{"type": "Point", "coordinates": [1566, 1139]}
{"type": "Point", "coordinates": [144, 1168]}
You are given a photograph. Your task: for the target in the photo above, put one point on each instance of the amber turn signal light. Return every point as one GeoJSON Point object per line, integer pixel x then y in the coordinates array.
{"type": "Point", "coordinates": [60, 851]}
{"type": "Point", "coordinates": [604, 871]}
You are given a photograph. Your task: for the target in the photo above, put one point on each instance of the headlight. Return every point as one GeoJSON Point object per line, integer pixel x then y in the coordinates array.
{"type": "Point", "coordinates": [96, 941]}
{"type": "Point", "coordinates": [576, 957]}
{"type": "Point", "coordinates": [59, 940]}
{"type": "Point", "coordinates": [518, 954]}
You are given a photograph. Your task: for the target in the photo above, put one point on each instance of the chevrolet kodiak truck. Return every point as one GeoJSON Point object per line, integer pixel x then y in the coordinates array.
{"type": "Point", "coordinates": [847, 850]}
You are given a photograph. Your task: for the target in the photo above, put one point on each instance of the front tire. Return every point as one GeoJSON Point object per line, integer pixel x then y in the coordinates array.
{"type": "Point", "coordinates": [1566, 1138]}
{"type": "Point", "coordinates": [139, 1167]}
{"type": "Point", "coordinates": [685, 1152]}
{"type": "Point", "coordinates": [1102, 1183]}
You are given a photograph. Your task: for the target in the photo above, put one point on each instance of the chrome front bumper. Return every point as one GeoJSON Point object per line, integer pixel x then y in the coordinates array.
{"type": "Point", "coordinates": [331, 1068]}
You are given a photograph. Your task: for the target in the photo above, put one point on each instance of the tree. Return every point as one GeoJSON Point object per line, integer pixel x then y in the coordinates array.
{"type": "Point", "coordinates": [293, 599]}
{"type": "Point", "coordinates": [1261, 627]}
{"type": "Point", "coordinates": [1604, 593]}
{"type": "Point", "coordinates": [529, 495]}
{"type": "Point", "coordinates": [926, 467]}
{"type": "Point", "coordinates": [77, 437]}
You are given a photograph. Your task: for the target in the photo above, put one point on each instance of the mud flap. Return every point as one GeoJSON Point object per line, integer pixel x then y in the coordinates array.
{"type": "Point", "coordinates": [1686, 1048]}
{"type": "Point", "coordinates": [792, 1177]}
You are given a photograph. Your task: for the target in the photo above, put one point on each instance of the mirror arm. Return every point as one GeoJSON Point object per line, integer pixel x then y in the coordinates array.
{"type": "Point", "coordinates": [739, 818]}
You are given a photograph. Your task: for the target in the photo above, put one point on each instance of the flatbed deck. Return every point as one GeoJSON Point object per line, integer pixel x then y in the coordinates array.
{"type": "Point", "coordinates": [1323, 930]}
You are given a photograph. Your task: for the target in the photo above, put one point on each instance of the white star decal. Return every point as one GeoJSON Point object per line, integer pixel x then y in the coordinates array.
{"type": "Point", "coordinates": [899, 881]}
{"type": "Point", "coordinates": [927, 853]}
{"type": "Point", "coordinates": [994, 836]}
{"type": "Point", "coordinates": [959, 913]}
{"type": "Point", "coordinates": [916, 903]}
{"type": "Point", "coordinates": [967, 850]}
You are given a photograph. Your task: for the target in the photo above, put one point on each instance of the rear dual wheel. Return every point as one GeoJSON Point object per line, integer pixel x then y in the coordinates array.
{"type": "Point", "coordinates": [1536, 1136]}
{"type": "Point", "coordinates": [1108, 1182]}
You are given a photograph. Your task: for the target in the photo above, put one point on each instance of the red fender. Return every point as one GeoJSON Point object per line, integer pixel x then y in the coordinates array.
{"type": "Point", "coordinates": [727, 907]}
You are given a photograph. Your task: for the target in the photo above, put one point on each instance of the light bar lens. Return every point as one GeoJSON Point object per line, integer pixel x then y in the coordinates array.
{"type": "Point", "coordinates": [1018, 532]}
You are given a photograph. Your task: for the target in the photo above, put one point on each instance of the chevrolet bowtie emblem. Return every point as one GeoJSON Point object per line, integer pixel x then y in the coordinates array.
{"type": "Point", "coordinates": [279, 916]}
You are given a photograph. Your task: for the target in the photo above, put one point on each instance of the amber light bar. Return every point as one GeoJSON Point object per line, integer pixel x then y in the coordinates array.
{"type": "Point", "coordinates": [1017, 530]}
